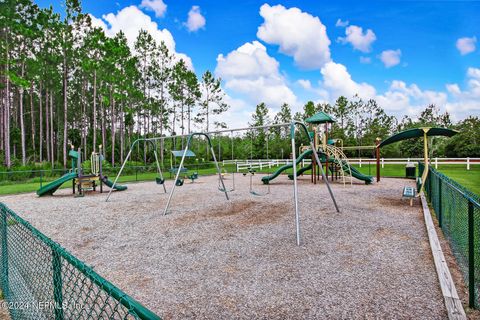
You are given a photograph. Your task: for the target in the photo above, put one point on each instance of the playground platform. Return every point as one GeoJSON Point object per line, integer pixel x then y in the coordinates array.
{"type": "Point", "coordinates": [212, 259]}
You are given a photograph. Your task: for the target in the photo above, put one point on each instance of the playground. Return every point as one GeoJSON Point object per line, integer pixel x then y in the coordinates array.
{"type": "Point", "coordinates": [245, 244]}
{"type": "Point", "coordinates": [211, 258]}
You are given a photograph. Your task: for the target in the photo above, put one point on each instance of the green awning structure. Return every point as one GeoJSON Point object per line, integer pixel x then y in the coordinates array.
{"type": "Point", "coordinates": [320, 117]}
{"type": "Point", "coordinates": [179, 153]}
{"type": "Point", "coordinates": [418, 133]}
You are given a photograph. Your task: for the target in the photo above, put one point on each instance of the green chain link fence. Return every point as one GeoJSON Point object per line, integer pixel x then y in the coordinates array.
{"type": "Point", "coordinates": [41, 280]}
{"type": "Point", "coordinates": [458, 214]}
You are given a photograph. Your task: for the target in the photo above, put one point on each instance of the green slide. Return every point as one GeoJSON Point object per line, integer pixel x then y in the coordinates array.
{"type": "Point", "coordinates": [301, 171]}
{"type": "Point", "coordinates": [54, 185]}
{"type": "Point", "coordinates": [267, 179]}
{"type": "Point", "coordinates": [357, 174]}
{"type": "Point", "coordinates": [110, 184]}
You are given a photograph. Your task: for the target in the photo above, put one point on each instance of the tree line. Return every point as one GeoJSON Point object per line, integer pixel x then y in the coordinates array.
{"type": "Point", "coordinates": [65, 82]}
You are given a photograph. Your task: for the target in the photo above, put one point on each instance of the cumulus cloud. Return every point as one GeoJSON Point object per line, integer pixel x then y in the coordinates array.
{"type": "Point", "coordinates": [466, 45]}
{"type": "Point", "coordinates": [131, 20]}
{"type": "Point", "coordinates": [196, 20]}
{"type": "Point", "coordinates": [157, 6]}
{"type": "Point", "coordinates": [338, 82]}
{"type": "Point", "coordinates": [250, 71]}
{"type": "Point", "coordinates": [341, 23]}
{"type": "Point", "coordinates": [361, 41]}
{"type": "Point", "coordinates": [298, 34]}
{"type": "Point", "coordinates": [390, 58]}
{"type": "Point", "coordinates": [305, 84]}
{"type": "Point", "coordinates": [465, 102]}
{"type": "Point", "coordinates": [401, 98]}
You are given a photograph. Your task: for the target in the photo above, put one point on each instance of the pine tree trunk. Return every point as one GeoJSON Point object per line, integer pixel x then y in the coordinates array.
{"type": "Point", "coordinates": [112, 111]}
{"type": "Point", "coordinates": [47, 126]}
{"type": "Point", "coordinates": [94, 110]}
{"type": "Point", "coordinates": [40, 121]}
{"type": "Point", "coordinates": [104, 133]}
{"type": "Point", "coordinates": [65, 111]}
{"type": "Point", "coordinates": [122, 132]}
{"type": "Point", "coordinates": [52, 148]}
{"type": "Point", "coordinates": [6, 120]}
{"type": "Point", "coordinates": [32, 124]}
{"type": "Point", "coordinates": [22, 123]}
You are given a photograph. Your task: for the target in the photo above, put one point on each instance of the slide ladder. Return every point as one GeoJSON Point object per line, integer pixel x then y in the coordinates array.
{"type": "Point", "coordinates": [342, 161]}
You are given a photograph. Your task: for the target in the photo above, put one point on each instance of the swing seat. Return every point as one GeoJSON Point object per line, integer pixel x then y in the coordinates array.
{"type": "Point", "coordinates": [159, 180]}
{"type": "Point", "coordinates": [193, 176]}
{"type": "Point", "coordinates": [179, 182]}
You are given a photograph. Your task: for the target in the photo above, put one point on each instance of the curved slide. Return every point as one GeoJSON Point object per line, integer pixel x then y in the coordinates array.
{"type": "Point", "coordinates": [110, 184]}
{"type": "Point", "coordinates": [301, 171]}
{"type": "Point", "coordinates": [54, 185]}
{"type": "Point", "coordinates": [275, 174]}
{"type": "Point", "coordinates": [355, 173]}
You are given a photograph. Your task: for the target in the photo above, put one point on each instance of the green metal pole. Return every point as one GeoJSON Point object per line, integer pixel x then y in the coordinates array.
{"type": "Point", "coordinates": [471, 256]}
{"type": "Point", "coordinates": [5, 282]}
{"type": "Point", "coordinates": [57, 284]}
{"type": "Point", "coordinates": [439, 202]}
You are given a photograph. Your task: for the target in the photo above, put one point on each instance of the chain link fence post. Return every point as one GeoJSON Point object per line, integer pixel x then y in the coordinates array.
{"type": "Point", "coordinates": [5, 282]}
{"type": "Point", "coordinates": [440, 202]}
{"type": "Point", "coordinates": [57, 285]}
{"type": "Point", "coordinates": [471, 256]}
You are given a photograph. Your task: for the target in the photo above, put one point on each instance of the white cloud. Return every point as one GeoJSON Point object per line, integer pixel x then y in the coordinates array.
{"type": "Point", "coordinates": [360, 40]}
{"type": "Point", "coordinates": [131, 20]}
{"type": "Point", "coordinates": [305, 84]}
{"type": "Point", "coordinates": [250, 71]}
{"type": "Point", "coordinates": [157, 6]}
{"type": "Point", "coordinates": [390, 58]}
{"type": "Point", "coordinates": [365, 60]}
{"type": "Point", "coordinates": [338, 82]}
{"type": "Point", "coordinates": [297, 33]}
{"type": "Point", "coordinates": [465, 102]}
{"type": "Point", "coordinates": [341, 23]}
{"type": "Point", "coordinates": [466, 45]}
{"type": "Point", "coordinates": [196, 20]}
{"type": "Point", "coordinates": [402, 99]}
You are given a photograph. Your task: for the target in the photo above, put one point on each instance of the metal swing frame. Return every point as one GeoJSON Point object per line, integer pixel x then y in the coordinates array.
{"type": "Point", "coordinates": [189, 139]}
{"type": "Point", "coordinates": [233, 183]}
{"type": "Point", "coordinates": [159, 169]}
{"type": "Point", "coordinates": [292, 126]}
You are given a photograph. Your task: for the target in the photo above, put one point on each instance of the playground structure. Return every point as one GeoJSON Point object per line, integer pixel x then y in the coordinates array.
{"type": "Point", "coordinates": [332, 157]}
{"type": "Point", "coordinates": [81, 181]}
{"type": "Point", "coordinates": [292, 125]}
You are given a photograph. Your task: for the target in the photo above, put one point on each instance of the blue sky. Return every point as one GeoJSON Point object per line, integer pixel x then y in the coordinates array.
{"type": "Point", "coordinates": [430, 48]}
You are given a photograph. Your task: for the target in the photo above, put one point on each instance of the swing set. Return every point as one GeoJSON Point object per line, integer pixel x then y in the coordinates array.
{"type": "Point", "coordinates": [293, 125]}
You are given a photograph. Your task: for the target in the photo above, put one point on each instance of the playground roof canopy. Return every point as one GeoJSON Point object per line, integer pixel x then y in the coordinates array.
{"type": "Point", "coordinates": [417, 133]}
{"type": "Point", "coordinates": [320, 117]}
{"type": "Point", "coordinates": [179, 153]}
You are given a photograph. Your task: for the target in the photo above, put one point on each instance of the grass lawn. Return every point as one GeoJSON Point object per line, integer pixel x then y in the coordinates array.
{"type": "Point", "coordinates": [34, 184]}
{"type": "Point", "coordinates": [469, 179]}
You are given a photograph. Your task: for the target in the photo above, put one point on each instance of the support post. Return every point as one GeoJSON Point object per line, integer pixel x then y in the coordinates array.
{"type": "Point", "coordinates": [295, 187]}
{"type": "Point", "coordinates": [471, 256]}
{"type": "Point", "coordinates": [5, 282]}
{"type": "Point", "coordinates": [440, 218]}
{"type": "Point", "coordinates": [377, 153]}
{"type": "Point", "coordinates": [57, 284]}
{"type": "Point", "coordinates": [468, 163]}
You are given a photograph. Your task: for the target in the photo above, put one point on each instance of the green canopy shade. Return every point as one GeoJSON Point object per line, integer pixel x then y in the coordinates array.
{"type": "Point", "coordinates": [320, 117]}
{"type": "Point", "coordinates": [418, 133]}
{"type": "Point", "coordinates": [179, 153]}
